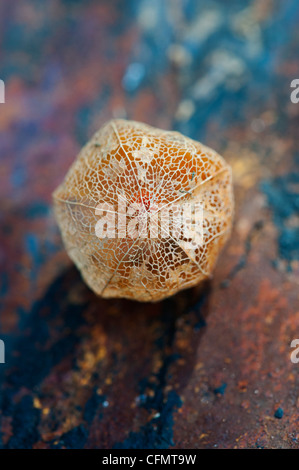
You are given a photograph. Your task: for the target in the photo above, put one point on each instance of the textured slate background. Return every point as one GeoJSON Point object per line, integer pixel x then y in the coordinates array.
{"type": "Point", "coordinates": [211, 366]}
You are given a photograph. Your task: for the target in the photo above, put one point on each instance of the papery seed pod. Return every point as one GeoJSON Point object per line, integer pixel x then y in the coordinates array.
{"type": "Point", "coordinates": [144, 212]}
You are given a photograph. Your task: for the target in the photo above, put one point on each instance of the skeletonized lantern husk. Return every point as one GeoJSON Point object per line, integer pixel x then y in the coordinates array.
{"type": "Point", "coordinates": [126, 201]}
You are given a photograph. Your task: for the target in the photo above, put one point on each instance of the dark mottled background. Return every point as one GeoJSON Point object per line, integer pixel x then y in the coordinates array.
{"type": "Point", "coordinates": [210, 367]}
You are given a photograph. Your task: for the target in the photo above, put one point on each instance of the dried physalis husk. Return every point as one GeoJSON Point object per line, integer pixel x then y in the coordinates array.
{"type": "Point", "coordinates": [144, 212]}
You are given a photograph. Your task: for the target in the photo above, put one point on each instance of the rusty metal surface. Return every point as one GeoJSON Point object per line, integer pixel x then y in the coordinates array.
{"type": "Point", "coordinates": [209, 367]}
